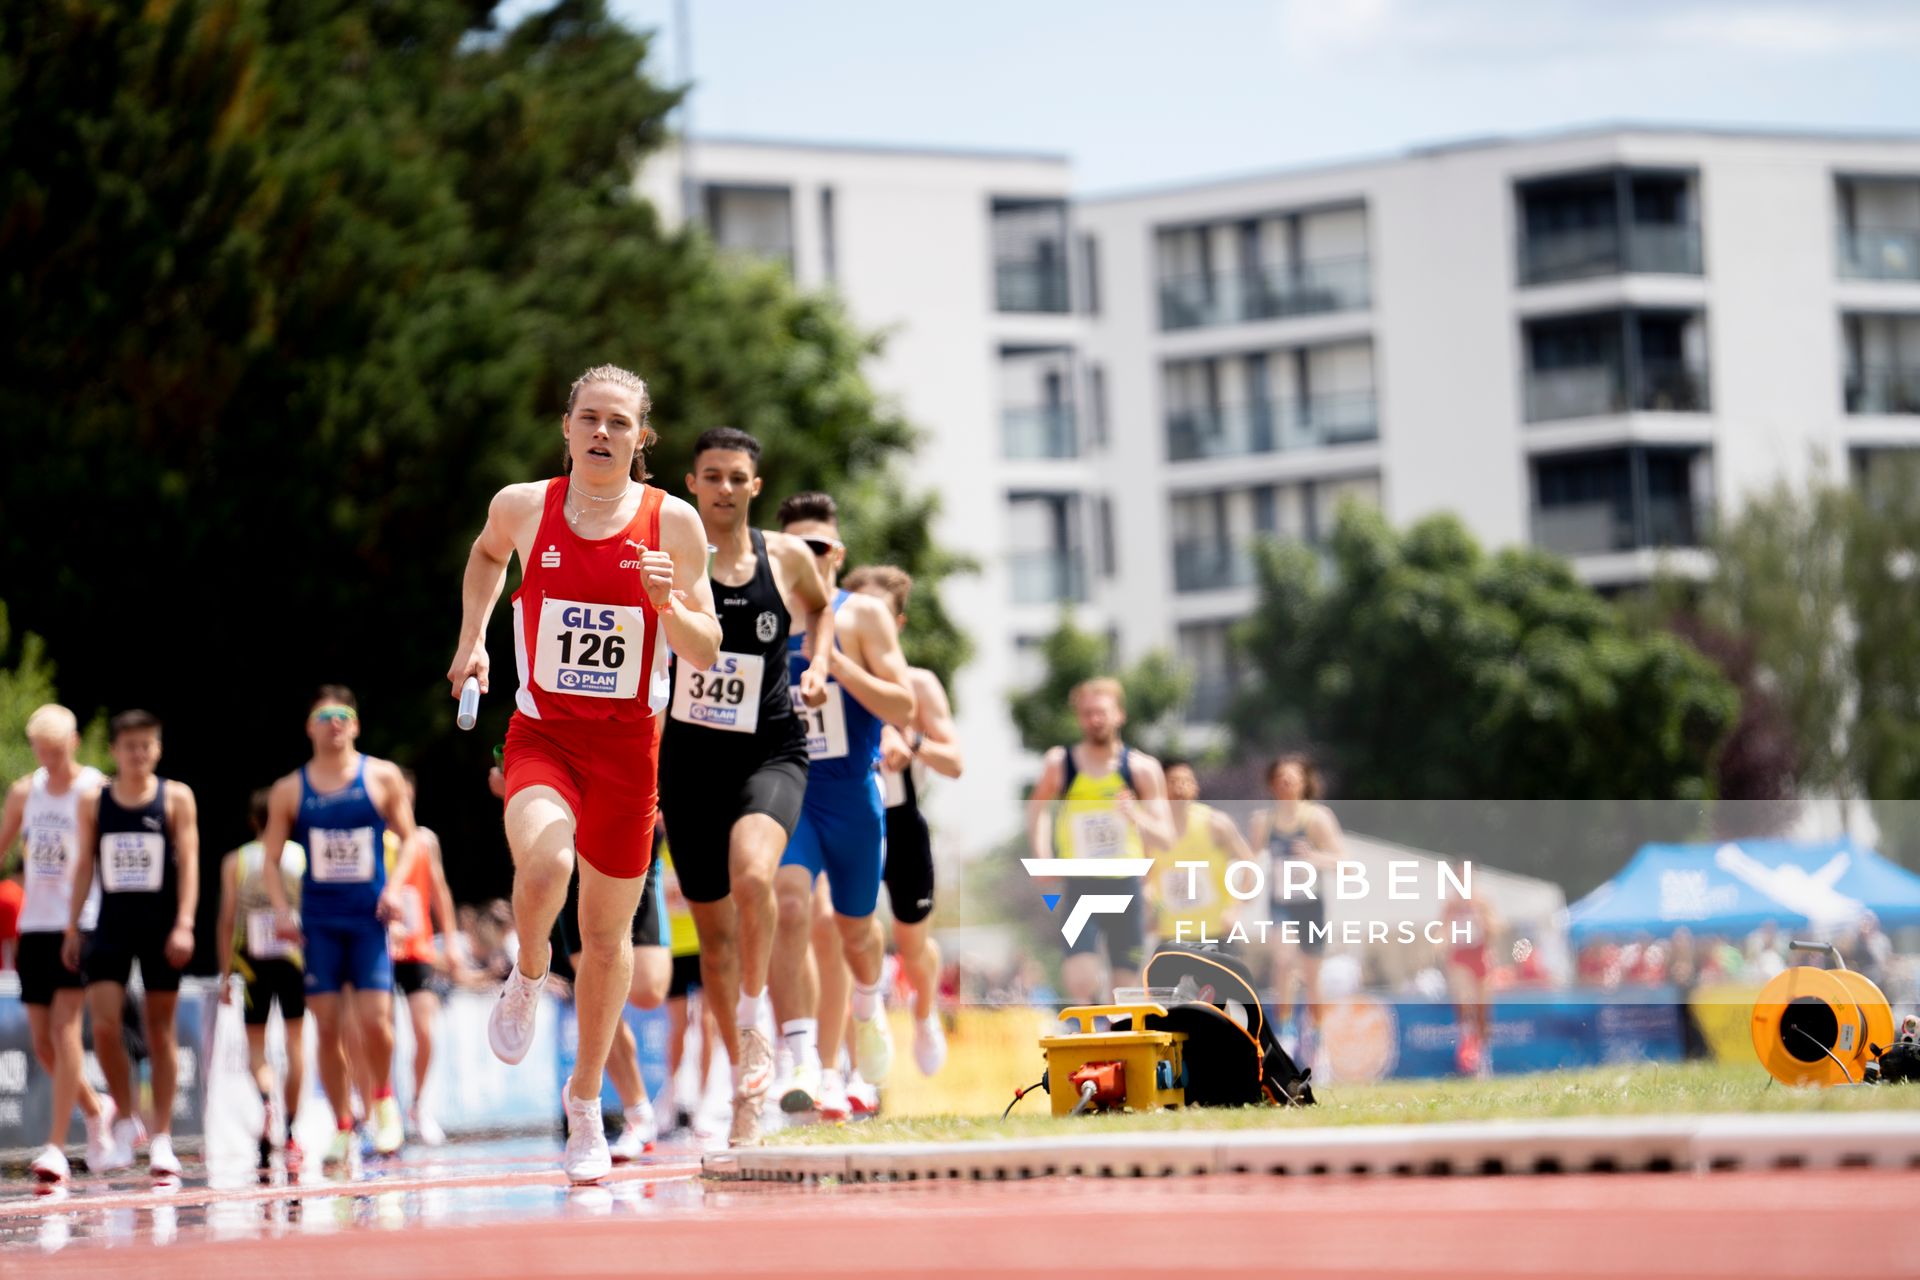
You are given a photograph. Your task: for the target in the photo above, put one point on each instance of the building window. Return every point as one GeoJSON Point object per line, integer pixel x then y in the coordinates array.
{"type": "Point", "coordinates": [1090, 271]}
{"type": "Point", "coordinates": [829, 250]}
{"type": "Point", "coordinates": [757, 221]}
{"type": "Point", "coordinates": [1609, 222]}
{"type": "Point", "coordinates": [1030, 255]}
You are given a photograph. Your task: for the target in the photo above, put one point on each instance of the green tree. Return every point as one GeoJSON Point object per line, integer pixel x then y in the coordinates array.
{"type": "Point", "coordinates": [1822, 584]}
{"type": "Point", "coordinates": [1155, 687]}
{"type": "Point", "coordinates": [294, 288]}
{"type": "Point", "coordinates": [1439, 680]}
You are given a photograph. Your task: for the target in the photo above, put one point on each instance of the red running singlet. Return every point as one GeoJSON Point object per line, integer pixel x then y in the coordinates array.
{"type": "Point", "coordinates": [584, 632]}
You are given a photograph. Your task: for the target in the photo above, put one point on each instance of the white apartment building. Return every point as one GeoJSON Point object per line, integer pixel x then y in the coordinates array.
{"type": "Point", "coordinates": [1591, 341]}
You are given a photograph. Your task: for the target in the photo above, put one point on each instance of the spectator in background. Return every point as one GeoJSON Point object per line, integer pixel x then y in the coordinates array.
{"type": "Point", "coordinates": [1765, 956]}
{"type": "Point", "coordinates": [1684, 972]}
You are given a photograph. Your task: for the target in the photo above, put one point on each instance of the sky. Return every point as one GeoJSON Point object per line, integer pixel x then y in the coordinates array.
{"type": "Point", "coordinates": [1144, 92]}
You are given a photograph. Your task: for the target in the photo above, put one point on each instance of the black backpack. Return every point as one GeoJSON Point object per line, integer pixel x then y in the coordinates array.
{"type": "Point", "coordinates": [1232, 1056]}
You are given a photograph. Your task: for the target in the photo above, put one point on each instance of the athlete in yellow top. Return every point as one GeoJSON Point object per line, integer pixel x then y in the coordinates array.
{"type": "Point", "coordinates": [1192, 902]}
{"type": "Point", "coordinates": [1100, 799]}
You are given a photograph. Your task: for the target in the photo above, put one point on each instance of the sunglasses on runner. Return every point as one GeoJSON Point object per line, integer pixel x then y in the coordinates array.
{"type": "Point", "coordinates": [326, 715]}
{"type": "Point", "coordinates": [822, 546]}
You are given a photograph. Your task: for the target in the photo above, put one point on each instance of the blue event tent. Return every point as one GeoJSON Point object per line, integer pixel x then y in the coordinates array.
{"type": "Point", "coordinates": [1737, 886]}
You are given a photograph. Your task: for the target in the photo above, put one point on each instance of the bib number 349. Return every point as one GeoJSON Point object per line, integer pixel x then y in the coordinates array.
{"type": "Point", "coordinates": [592, 650]}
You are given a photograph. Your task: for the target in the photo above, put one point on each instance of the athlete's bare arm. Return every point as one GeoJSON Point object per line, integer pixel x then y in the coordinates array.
{"type": "Point", "coordinates": [873, 669]}
{"type": "Point", "coordinates": [677, 573]}
{"type": "Point", "coordinates": [13, 814]}
{"type": "Point", "coordinates": [1040, 802]}
{"type": "Point", "coordinates": [933, 717]}
{"type": "Point", "coordinates": [440, 912]}
{"type": "Point", "coordinates": [229, 907]}
{"type": "Point", "coordinates": [183, 819]}
{"type": "Point", "coordinates": [1324, 837]}
{"type": "Point", "coordinates": [513, 518]}
{"type": "Point", "coordinates": [283, 803]}
{"type": "Point", "coordinates": [86, 843]}
{"type": "Point", "coordinates": [390, 800]}
{"type": "Point", "coordinates": [1226, 835]}
{"type": "Point", "coordinates": [795, 564]}
{"type": "Point", "coordinates": [1147, 809]}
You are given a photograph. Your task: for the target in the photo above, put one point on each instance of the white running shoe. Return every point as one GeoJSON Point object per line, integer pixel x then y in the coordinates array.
{"type": "Point", "coordinates": [587, 1158]}
{"type": "Point", "coordinates": [873, 1046]}
{"type": "Point", "coordinates": [161, 1162]}
{"type": "Point", "coordinates": [510, 1025]}
{"type": "Point", "coordinates": [929, 1044]}
{"type": "Point", "coordinates": [427, 1129]}
{"type": "Point", "coordinates": [51, 1166]}
{"type": "Point", "coordinates": [756, 1063]}
{"type": "Point", "coordinates": [863, 1097]}
{"type": "Point", "coordinates": [637, 1138]}
{"type": "Point", "coordinates": [125, 1131]}
{"type": "Point", "coordinates": [802, 1087]}
{"type": "Point", "coordinates": [831, 1102]}
{"type": "Point", "coordinates": [100, 1144]}
{"type": "Point", "coordinates": [745, 1129]}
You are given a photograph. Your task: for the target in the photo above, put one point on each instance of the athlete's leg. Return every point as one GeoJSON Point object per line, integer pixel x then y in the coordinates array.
{"type": "Point", "coordinates": [40, 1029]}
{"type": "Point", "coordinates": [423, 1007]}
{"type": "Point", "coordinates": [56, 1031]}
{"type": "Point", "coordinates": [296, 1065]}
{"type": "Point", "coordinates": [360, 1074]}
{"type": "Point", "coordinates": [920, 960]}
{"type": "Point", "coordinates": [540, 829]}
{"type": "Point", "coordinates": [163, 1053]}
{"type": "Point", "coordinates": [623, 1067]}
{"type": "Point", "coordinates": [605, 970]}
{"type": "Point", "coordinates": [652, 975]}
{"type": "Point", "coordinates": [795, 977]}
{"type": "Point", "coordinates": [372, 1013]}
{"type": "Point", "coordinates": [107, 1002]}
{"type": "Point", "coordinates": [257, 1063]}
{"type": "Point", "coordinates": [753, 851]}
{"type": "Point", "coordinates": [719, 927]}
{"type": "Point", "coordinates": [835, 982]}
{"type": "Point", "coordinates": [331, 1057]}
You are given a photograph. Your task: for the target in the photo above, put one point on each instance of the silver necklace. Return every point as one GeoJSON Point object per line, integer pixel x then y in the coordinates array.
{"type": "Point", "coordinates": [573, 517]}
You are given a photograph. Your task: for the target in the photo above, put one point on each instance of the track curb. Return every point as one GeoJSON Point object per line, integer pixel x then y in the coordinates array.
{"type": "Point", "coordinates": [1651, 1144]}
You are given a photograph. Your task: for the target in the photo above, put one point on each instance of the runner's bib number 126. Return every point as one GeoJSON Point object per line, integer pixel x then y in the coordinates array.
{"type": "Point", "coordinates": [593, 650]}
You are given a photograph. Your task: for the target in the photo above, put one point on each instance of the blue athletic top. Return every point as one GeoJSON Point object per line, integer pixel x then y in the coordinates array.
{"type": "Point", "coordinates": [843, 737]}
{"type": "Point", "coordinates": [345, 839]}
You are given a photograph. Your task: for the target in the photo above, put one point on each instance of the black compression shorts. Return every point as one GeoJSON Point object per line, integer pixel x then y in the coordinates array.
{"type": "Point", "coordinates": [42, 972]}
{"type": "Point", "coordinates": [909, 870]}
{"type": "Point", "coordinates": [278, 979]}
{"type": "Point", "coordinates": [686, 976]}
{"type": "Point", "coordinates": [704, 795]}
{"type": "Point", "coordinates": [117, 943]}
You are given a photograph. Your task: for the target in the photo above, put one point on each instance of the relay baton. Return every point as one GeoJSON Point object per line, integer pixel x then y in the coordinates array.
{"type": "Point", "coordinates": [469, 702]}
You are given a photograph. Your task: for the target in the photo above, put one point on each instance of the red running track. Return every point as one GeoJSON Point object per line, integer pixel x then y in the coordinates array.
{"type": "Point", "coordinates": [1751, 1226]}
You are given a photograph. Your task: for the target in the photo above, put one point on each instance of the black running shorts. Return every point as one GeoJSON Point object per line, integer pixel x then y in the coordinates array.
{"type": "Point", "coordinates": [909, 869]}
{"type": "Point", "coordinates": [37, 957]}
{"type": "Point", "coordinates": [704, 793]}
{"type": "Point", "coordinates": [117, 943]}
{"type": "Point", "coordinates": [686, 976]}
{"type": "Point", "coordinates": [278, 979]}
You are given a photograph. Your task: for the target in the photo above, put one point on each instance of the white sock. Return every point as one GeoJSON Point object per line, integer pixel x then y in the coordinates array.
{"type": "Point", "coordinates": [866, 999]}
{"type": "Point", "coordinates": [803, 1040]}
{"type": "Point", "coordinates": [746, 1013]}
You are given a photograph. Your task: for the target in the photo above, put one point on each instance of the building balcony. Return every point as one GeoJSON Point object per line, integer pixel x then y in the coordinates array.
{"type": "Point", "coordinates": [1048, 577]}
{"type": "Point", "coordinates": [1036, 286]}
{"type": "Point", "coordinates": [1211, 566]}
{"type": "Point", "coordinates": [1584, 252]}
{"type": "Point", "coordinates": [1588, 391]}
{"type": "Point", "coordinates": [1601, 527]}
{"type": "Point", "coordinates": [1233, 431]}
{"type": "Point", "coordinates": [1883, 389]}
{"type": "Point", "coordinates": [1880, 253]}
{"type": "Point", "coordinates": [1043, 431]}
{"type": "Point", "coordinates": [1272, 293]}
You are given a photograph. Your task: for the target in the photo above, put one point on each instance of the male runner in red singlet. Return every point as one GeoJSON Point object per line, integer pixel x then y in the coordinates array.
{"type": "Point", "coordinates": [612, 570]}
